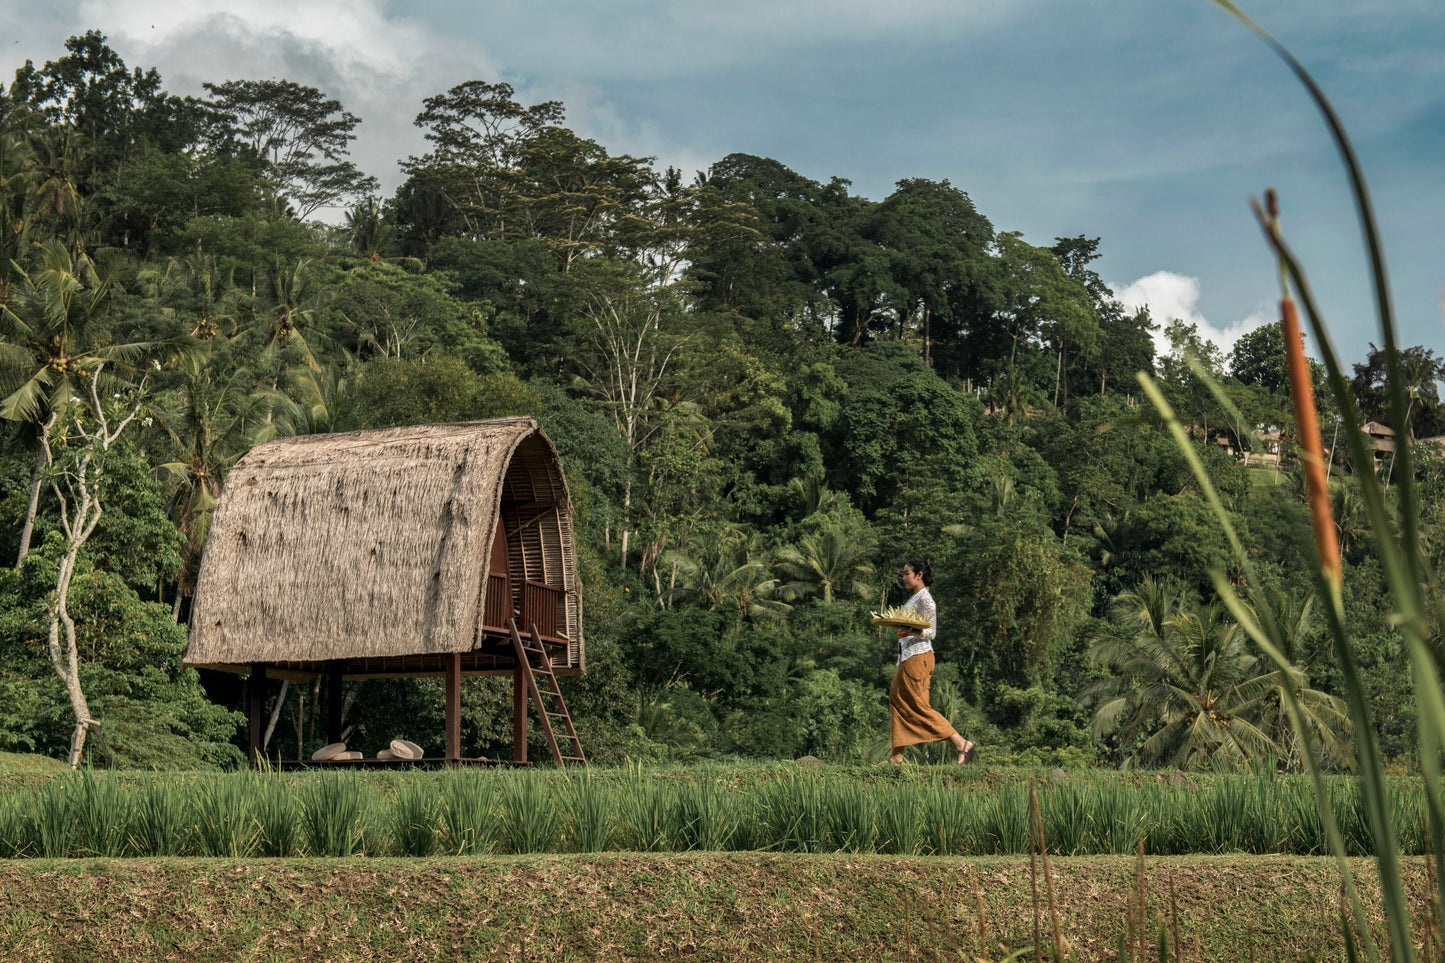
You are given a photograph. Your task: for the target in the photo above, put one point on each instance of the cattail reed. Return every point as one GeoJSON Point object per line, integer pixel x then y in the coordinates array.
{"type": "Point", "coordinates": [1306, 420]}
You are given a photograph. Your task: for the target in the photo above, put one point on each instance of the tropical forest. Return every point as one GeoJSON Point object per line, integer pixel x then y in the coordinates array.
{"type": "Point", "coordinates": [768, 393]}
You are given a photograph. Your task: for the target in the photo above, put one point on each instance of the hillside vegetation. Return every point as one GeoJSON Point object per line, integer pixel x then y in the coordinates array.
{"type": "Point", "coordinates": [768, 393]}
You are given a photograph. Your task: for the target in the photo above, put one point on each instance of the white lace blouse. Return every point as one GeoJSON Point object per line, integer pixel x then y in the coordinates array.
{"type": "Point", "coordinates": [911, 645]}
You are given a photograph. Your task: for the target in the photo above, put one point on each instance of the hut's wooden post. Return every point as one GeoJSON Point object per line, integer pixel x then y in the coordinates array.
{"type": "Point", "coordinates": [257, 698]}
{"type": "Point", "coordinates": [519, 715]}
{"type": "Point", "coordinates": [454, 707]}
{"type": "Point", "coordinates": [333, 703]}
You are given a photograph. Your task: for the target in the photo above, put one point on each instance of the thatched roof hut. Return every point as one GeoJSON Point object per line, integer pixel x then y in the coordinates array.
{"type": "Point", "coordinates": [395, 552]}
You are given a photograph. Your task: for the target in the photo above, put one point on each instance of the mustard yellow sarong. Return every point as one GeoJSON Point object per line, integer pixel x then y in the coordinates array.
{"type": "Point", "coordinates": [913, 719]}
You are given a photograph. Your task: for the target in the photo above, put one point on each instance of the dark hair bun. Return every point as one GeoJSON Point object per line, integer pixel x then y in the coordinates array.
{"type": "Point", "coordinates": [922, 569]}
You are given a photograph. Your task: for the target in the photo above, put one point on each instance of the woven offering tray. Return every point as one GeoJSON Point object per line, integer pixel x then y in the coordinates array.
{"type": "Point", "coordinates": [896, 618]}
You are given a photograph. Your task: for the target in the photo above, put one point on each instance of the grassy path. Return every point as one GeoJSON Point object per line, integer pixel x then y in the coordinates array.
{"type": "Point", "coordinates": [702, 906]}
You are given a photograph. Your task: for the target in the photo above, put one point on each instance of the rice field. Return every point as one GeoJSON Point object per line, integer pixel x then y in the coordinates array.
{"type": "Point", "coordinates": [912, 811]}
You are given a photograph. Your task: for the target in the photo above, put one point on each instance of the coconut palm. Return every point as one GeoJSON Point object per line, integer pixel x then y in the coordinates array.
{"type": "Point", "coordinates": [1185, 690]}
{"type": "Point", "coordinates": [726, 569]}
{"type": "Point", "coordinates": [828, 562]}
{"type": "Point", "coordinates": [316, 402]}
{"type": "Point", "coordinates": [1325, 716]}
{"type": "Point", "coordinates": [211, 421]}
{"type": "Point", "coordinates": [53, 346]}
{"type": "Point", "coordinates": [199, 286]}
{"type": "Point", "coordinates": [292, 300]}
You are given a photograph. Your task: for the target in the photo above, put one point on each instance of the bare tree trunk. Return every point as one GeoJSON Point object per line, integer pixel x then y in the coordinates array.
{"type": "Point", "coordinates": [37, 478]}
{"type": "Point", "coordinates": [275, 715]}
{"type": "Point", "coordinates": [299, 720]}
{"type": "Point", "coordinates": [79, 515]}
{"type": "Point", "coordinates": [67, 662]}
{"type": "Point", "coordinates": [1058, 374]}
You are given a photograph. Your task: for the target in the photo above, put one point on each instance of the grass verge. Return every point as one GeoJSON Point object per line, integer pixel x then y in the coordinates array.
{"type": "Point", "coordinates": [700, 906]}
{"type": "Point", "coordinates": [29, 763]}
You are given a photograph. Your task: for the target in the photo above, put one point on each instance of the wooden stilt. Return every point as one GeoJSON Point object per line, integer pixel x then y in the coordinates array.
{"type": "Point", "coordinates": [454, 707]}
{"type": "Point", "coordinates": [256, 695]}
{"type": "Point", "coordinates": [333, 703]}
{"type": "Point", "coordinates": [519, 714]}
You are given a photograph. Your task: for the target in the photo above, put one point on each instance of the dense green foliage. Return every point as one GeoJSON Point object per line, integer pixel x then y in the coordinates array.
{"type": "Point", "coordinates": [768, 392]}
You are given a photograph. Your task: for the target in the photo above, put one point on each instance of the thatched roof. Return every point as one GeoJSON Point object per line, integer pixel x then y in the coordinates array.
{"type": "Point", "coordinates": [376, 544]}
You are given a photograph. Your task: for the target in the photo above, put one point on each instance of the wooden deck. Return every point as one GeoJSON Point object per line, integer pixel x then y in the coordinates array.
{"type": "Point", "coordinates": [431, 762]}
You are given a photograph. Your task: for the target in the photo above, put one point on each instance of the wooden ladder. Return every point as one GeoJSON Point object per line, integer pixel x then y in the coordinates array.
{"type": "Point", "coordinates": [542, 683]}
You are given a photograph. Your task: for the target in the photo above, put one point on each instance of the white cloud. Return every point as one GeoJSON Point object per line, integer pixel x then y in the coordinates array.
{"type": "Point", "coordinates": [1169, 296]}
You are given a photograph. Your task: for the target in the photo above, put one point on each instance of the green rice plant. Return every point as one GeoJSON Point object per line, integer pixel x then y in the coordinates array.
{"type": "Point", "coordinates": [852, 820]}
{"type": "Point", "coordinates": [794, 814]}
{"type": "Point", "coordinates": [747, 832]}
{"type": "Point", "coordinates": [17, 827]}
{"type": "Point", "coordinates": [221, 811]}
{"type": "Point", "coordinates": [591, 814]}
{"type": "Point", "coordinates": [1226, 822]}
{"type": "Point", "coordinates": [100, 811]}
{"type": "Point", "coordinates": [946, 822]}
{"type": "Point", "coordinates": [1004, 821]}
{"type": "Point", "coordinates": [52, 824]}
{"type": "Point", "coordinates": [1189, 818]}
{"type": "Point", "coordinates": [645, 812]}
{"type": "Point", "coordinates": [899, 817]}
{"type": "Point", "coordinates": [275, 810]}
{"type": "Point", "coordinates": [468, 814]}
{"type": "Point", "coordinates": [415, 819]}
{"type": "Point", "coordinates": [1411, 822]}
{"type": "Point", "coordinates": [373, 825]}
{"type": "Point", "coordinates": [706, 817]}
{"type": "Point", "coordinates": [1353, 818]}
{"type": "Point", "coordinates": [1300, 813]}
{"type": "Point", "coordinates": [1068, 813]}
{"type": "Point", "coordinates": [157, 820]}
{"type": "Point", "coordinates": [529, 817]}
{"type": "Point", "coordinates": [1118, 816]}
{"type": "Point", "coordinates": [331, 815]}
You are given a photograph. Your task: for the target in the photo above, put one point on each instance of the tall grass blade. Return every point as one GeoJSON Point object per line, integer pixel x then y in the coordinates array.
{"type": "Point", "coordinates": [101, 812]}
{"type": "Point", "coordinates": [529, 814]}
{"type": "Point", "coordinates": [157, 824]}
{"type": "Point", "coordinates": [277, 822]}
{"type": "Point", "coordinates": [468, 815]}
{"type": "Point", "coordinates": [415, 819]}
{"type": "Point", "coordinates": [331, 815]}
{"type": "Point", "coordinates": [591, 815]}
{"type": "Point", "coordinates": [221, 811]}
{"type": "Point", "coordinates": [53, 826]}
{"type": "Point", "coordinates": [1405, 564]}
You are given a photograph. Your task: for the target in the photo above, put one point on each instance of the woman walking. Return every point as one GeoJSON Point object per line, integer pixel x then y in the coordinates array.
{"type": "Point", "coordinates": [913, 720]}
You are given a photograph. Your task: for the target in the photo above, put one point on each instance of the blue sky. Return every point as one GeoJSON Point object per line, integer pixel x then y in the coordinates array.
{"type": "Point", "coordinates": [1148, 123]}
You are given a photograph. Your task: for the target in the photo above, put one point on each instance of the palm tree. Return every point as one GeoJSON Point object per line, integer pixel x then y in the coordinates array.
{"type": "Point", "coordinates": [211, 421]}
{"type": "Point", "coordinates": [292, 304]}
{"type": "Point", "coordinates": [1325, 716]}
{"type": "Point", "coordinates": [726, 570]}
{"type": "Point", "coordinates": [827, 562]}
{"type": "Point", "coordinates": [200, 286]}
{"type": "Point", "coordinates": [316, 402]}
{"type": "Point", "coordinates": [1185, 691]}
{"type": "Point", "coordinates": [52, 343]}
